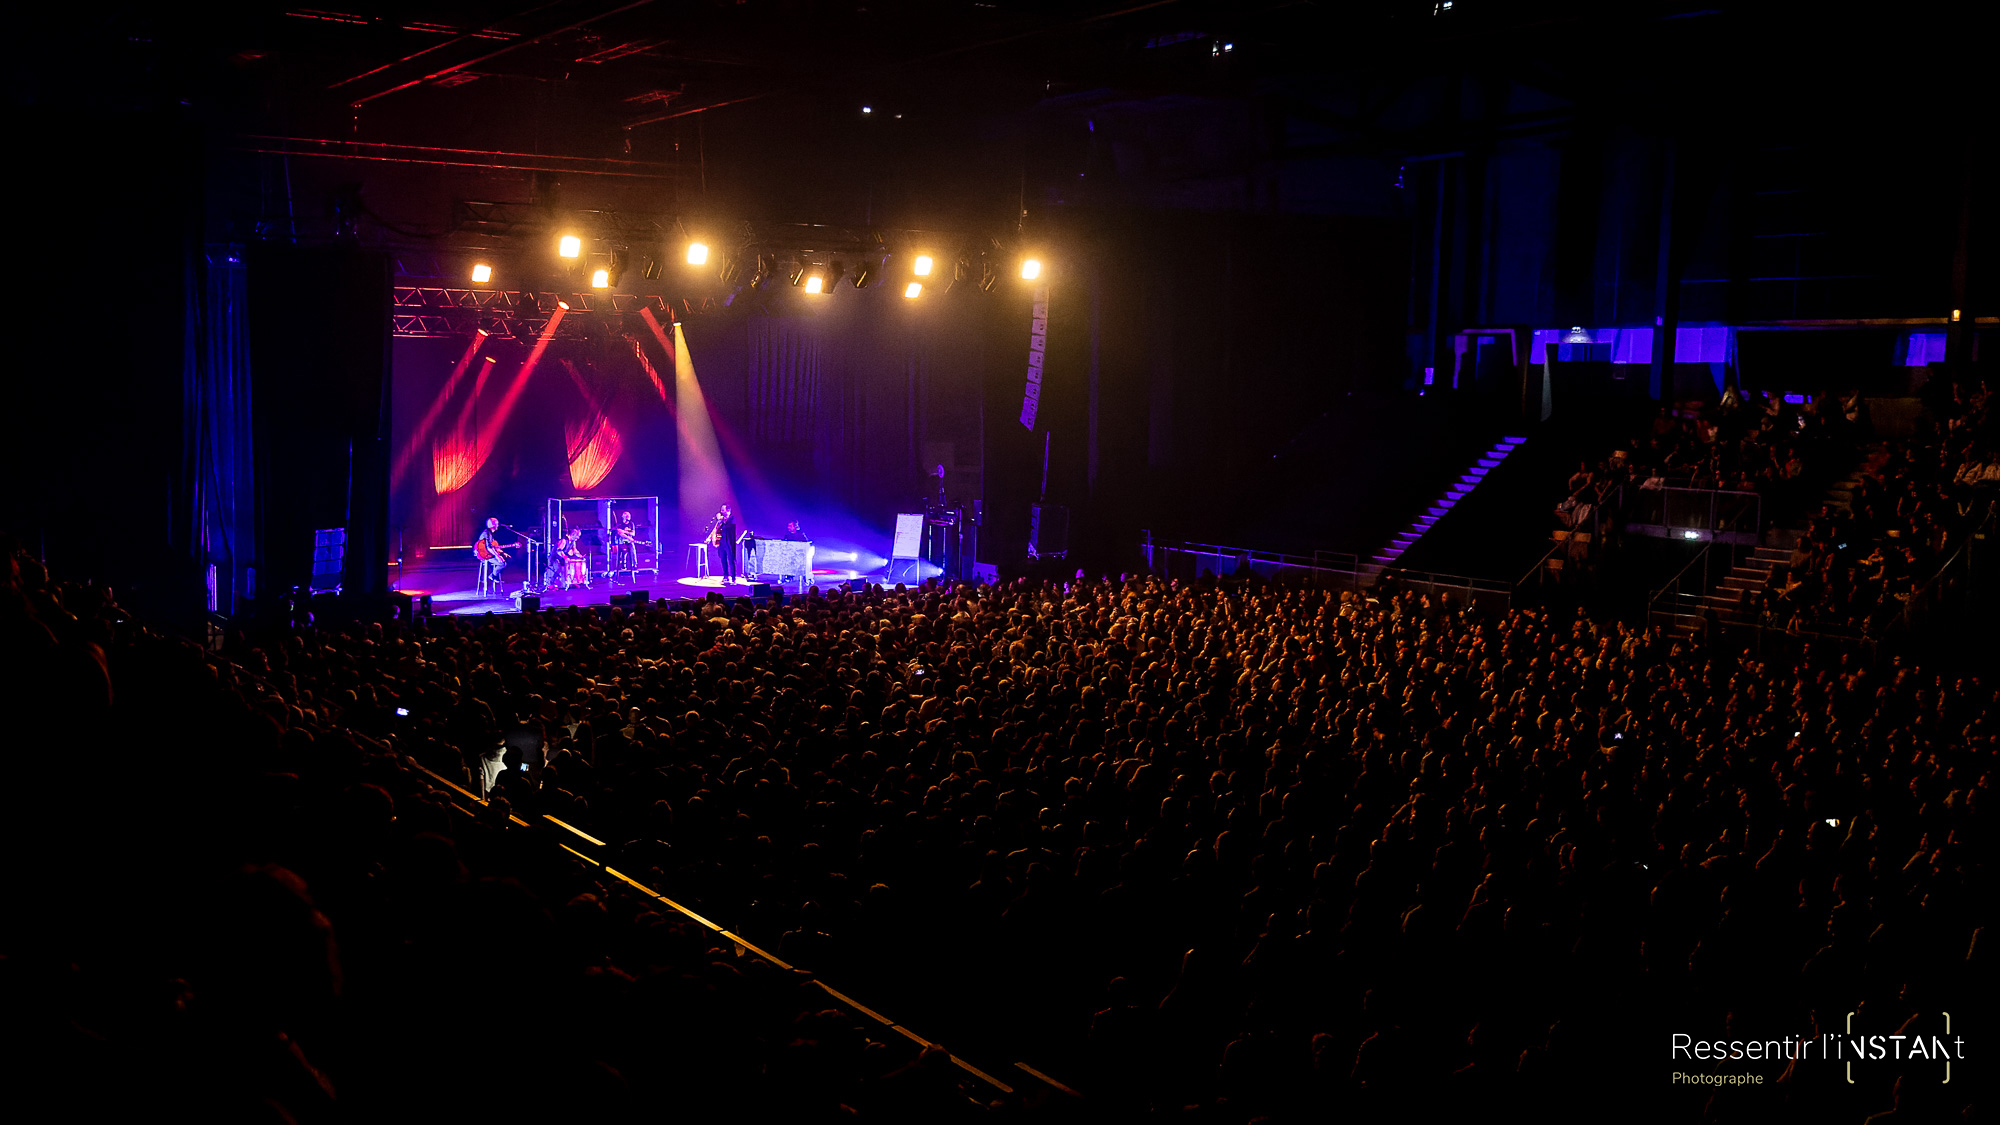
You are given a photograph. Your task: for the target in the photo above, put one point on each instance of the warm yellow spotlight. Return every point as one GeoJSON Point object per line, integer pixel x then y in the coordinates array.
{"type": "Point", "coordinates": [482, 273]}
{"type": "Point", "coordinates": [815, 284]}
{"type": "Point", "coordinates": [1031, 269]}
{"type": "Point", "coordinates": [913, 290]}
{"type": "Point", "coordinates": [923, 266]}
{"type": "Point", "coordinates": [563, 305]}
{"type": "Point", "coordinates": [600, 279]}
{"type": "Point", "coordinates": [570, 247]}
{"type": "Point", "coordinates": [697, 254]}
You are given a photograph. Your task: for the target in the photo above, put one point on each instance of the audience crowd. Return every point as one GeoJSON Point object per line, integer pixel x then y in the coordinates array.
{"type": "Point", "coordinates": [1856, 569]}
{"type": "Point", "coordinates": [1856, 565]}
{"type": "Point", "coordinates": [233, 900]}
{"type": "Point", "coordinates": [1243, 848]}
{"type": "Point", "coordinates": [1228, 850]}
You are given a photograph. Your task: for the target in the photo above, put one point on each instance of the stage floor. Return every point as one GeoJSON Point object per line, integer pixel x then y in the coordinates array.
{"type": "Point", "coordinates": [454, 588]}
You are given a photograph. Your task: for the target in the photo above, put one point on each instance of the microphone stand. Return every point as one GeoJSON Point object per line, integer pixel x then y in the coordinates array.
{"type": "Point", "coordinates": [530, 547]}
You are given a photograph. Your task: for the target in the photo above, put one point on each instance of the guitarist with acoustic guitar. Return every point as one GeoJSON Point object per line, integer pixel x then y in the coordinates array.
{"type": "Point", "coordinates": [491, 553]}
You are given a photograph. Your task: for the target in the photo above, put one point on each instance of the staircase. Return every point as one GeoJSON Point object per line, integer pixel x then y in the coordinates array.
{"type": "Point", "coordinates": [1459, 490]}
{"type": "Point", "coordinates": [1750, 574]}
{"type": "Point", "coordinates": [1754, 572]}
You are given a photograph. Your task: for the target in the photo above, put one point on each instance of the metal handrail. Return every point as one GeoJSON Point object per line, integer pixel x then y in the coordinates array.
{"type": "Point", "coordinates": [1923, 591]}
{"type": "Point", "coordinates": [745, 947]}
{"type": "Point", "coordinates": [1350, 567]}
{"type": "Point", "coordinates": [1673, 583]}
{"type": "Point", "coordinates": [1716, 519]}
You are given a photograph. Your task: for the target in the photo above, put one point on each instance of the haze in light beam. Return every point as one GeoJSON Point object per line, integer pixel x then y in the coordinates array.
{"type": "Point", "coordinates": [704, 483]}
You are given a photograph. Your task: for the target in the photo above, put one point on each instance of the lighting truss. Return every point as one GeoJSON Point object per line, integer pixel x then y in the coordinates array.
{"type": "Point", "coordinates": [425, 310]}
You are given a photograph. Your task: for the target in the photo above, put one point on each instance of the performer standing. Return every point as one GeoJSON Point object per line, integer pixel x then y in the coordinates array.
{"type": "Point", "coordinates": [793, 534]}
{"type": "Point", "coordinates": [724, 540]}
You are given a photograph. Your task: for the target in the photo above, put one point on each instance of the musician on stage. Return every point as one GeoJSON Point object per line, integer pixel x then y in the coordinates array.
{"type": "Point", "coordinates": [575, 567]}
{"type": "Point", "coordinates": [491, 553]}
{"type": "Point", "coordinates": [724, 540]}
{"type": "Point", "coordinates": [793, 534]}
{"type": "Point", "coordinates": [624, 544]}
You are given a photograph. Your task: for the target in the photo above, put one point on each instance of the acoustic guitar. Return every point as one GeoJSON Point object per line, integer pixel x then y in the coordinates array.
{"type": "Point", "coordinates": [486, 550]}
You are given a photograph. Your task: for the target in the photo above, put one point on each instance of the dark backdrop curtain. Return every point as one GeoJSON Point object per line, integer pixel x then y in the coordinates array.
{"type": "Point", "coordinates": [802, 405]}
{"type": "Point", "coordinates": [219, 462]}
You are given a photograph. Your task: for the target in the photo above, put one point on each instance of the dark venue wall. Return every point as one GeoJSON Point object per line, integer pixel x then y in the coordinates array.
{"type": "Point", "coordinates": [319, 357]}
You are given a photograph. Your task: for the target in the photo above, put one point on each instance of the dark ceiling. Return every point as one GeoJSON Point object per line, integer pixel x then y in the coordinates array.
{"type": "Point", "coordinates": [957, 113]}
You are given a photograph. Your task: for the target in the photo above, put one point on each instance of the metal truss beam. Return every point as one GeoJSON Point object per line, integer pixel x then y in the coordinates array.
{"type": "Point", "coordinates": [427, 310]}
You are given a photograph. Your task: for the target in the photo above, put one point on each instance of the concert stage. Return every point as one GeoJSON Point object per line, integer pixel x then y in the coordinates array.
{"type": "Point", "coordinates": [454, 589]}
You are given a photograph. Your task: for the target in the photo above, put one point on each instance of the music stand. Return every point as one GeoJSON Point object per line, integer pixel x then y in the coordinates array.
{"type": "Point", "coordinates": [908, 546]}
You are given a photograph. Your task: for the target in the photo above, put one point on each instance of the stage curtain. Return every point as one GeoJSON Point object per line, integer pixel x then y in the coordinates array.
{"type": "Point", "coordinates": [218, 455]}
{"type": "Point", "coordinates": [801, 406]}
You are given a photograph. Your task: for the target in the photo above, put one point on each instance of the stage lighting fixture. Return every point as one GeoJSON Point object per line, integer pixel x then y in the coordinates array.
{"type": "Point", "coordinates": [600, 279]}
{"type": "Point", "coordinates": [815, 284]}
{"type": "Point", "coordinates": [620, 262]}
{"type": "Point", "coordinates": [913, 290]}
{"type": "Point", "coordinates": [651, 270]}
{"type": "Point", "coordinates": [923, 265]}
{"type": "Point", "coordinates": [481, 273]}
{"type": "Point", "coordinates": [570, 246]}
{"type": "Point", "coordinates": [798, 272]}
{"type": "Point", "coordinates": [563, 305]}
{"type": "Point", "coordinates": [864, 274]}
{"type": "Point", "coordinates": [697, 254]}
{"type": "Point", "coordinates": [1030, 269]}
{"type": "Point", "coordinates": [732, 268]}
{"type": "Point", "coordinates": [834, 272]}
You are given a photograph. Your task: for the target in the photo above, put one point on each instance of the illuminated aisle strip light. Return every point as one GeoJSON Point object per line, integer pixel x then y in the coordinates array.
{"type": "Point", "coordinates": [1459, 490]}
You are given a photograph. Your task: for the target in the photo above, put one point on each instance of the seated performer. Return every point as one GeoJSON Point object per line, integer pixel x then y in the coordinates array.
{"type": "Point", "coordinates": [575, 570]}
{"type": "Point", "coordinates": [624, 544]}
{"type": "Point", "coordinates": [491, 553]}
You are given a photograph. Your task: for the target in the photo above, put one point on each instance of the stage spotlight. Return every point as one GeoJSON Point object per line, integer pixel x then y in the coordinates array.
{"type": "Point", "coordinates": [923, 266]}
{"type": "Point", "coordinates": [563, 305]}
{"type": "Point", "coordinates": [863, 274]}
{"type": "Point", "coordinates": [1030, 269]}
{"type": "Point", "coordinates": [481, 273]}
{"type": "Point", "coordinates": [815, 283]}
{"type": "Point", "coordinates": [913, 290]}
{"type": "Point", "coordinates": [570, 246]}
{"type": "Point", "coordinates": [697, 254]}
{"type": "Point", "coordinates": [651, 270]}
{"type": "Point", "coordinates": [600, 279]}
